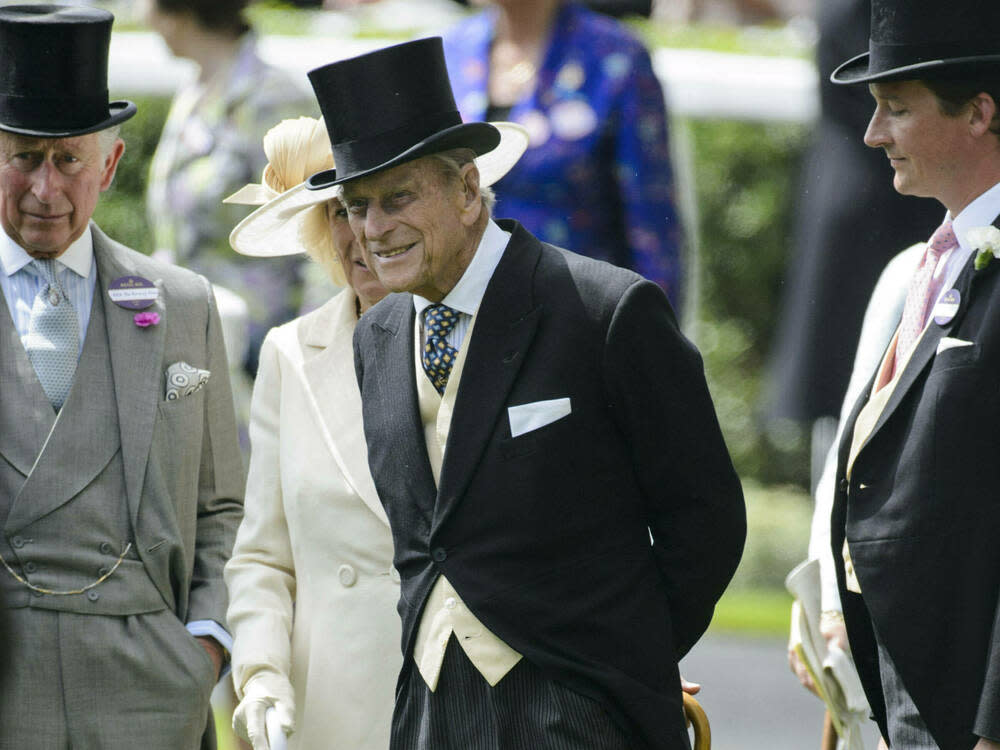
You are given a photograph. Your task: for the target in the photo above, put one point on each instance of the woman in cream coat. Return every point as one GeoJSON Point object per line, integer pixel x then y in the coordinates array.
{"type": "Point", "coordinates": [312, 588]}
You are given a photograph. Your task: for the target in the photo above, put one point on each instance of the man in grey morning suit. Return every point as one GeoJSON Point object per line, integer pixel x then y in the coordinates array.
{"type": "Point", "coordinates": [120, 475]}
{"type": "Point", "coordinates": [564, 511]}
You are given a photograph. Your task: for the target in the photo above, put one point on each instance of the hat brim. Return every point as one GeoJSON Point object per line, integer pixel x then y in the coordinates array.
{"type": "Point", "coordinates": [273, 229]}
{"type": "Point", "coordinates": [481, 137]}
{"type": "Point", "coordinates": [118, 112]}
{"type": "Point", "coordinates": [856, 70]}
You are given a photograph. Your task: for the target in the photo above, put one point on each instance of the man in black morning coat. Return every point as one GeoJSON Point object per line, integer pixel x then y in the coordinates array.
{"type": "Point", "coordinates": [916, 518]}
{"type": "Point", "coordinates": [536, 611]}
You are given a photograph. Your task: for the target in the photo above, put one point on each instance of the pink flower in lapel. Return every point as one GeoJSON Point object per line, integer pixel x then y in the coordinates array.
{"type": "Point", "coordinates": [146, 319]}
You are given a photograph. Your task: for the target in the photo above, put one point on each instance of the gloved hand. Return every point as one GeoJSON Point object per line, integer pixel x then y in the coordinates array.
{"type": "Point", "coordinates": [262, 691]}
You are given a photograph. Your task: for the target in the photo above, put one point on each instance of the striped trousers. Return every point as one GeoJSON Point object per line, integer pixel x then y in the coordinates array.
{"type": "Point", "coordinates": [524, 710]}
{"type": "Point", "coordinates": [907, 730]}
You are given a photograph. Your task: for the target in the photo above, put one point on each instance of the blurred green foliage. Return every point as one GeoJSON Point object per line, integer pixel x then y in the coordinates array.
{"type": "Point", "coordinates": [121, 212]}
{"type": "Point", "coordinates": [746, 177]}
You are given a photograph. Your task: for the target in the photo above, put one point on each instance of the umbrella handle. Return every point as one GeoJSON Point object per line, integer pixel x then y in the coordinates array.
{"type": "Point", "coordinates": [276, 738]}
{"type": "Point", "coordinates": [696, 717]}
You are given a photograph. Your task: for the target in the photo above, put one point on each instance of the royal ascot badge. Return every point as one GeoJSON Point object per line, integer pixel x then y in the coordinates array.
{"type": "Point", "coordinates": [947, 307]}
{"type": "Point", "coordinates": [133, 292]}
{"type": "Point", "coordinates": [986, 240]}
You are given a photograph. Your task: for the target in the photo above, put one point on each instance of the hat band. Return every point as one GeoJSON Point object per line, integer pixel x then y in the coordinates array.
{"type": "Point", "coordinates": [367, 153]}
{"type": "Point", "coordinates": [886, 56]}
{"type": "Point", "coordinates": [53, 113]}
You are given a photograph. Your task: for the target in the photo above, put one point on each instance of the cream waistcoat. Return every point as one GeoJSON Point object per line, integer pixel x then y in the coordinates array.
{"type": "Point", "coordinates": [445, 612]}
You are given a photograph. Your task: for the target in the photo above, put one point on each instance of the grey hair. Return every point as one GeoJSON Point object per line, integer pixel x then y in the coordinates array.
{"type": "Point", "coordinates": [451, 162]}
{"type": "Point", "coordinates": [107, 137]}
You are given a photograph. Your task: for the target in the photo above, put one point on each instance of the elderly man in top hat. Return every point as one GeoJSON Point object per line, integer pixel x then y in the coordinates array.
{"type": "Point", "coordinates": [120, 476]}
{"type": "Point", "coordinates": [564, 511]}
{"type": "Point", "coordinates": [916, 516]}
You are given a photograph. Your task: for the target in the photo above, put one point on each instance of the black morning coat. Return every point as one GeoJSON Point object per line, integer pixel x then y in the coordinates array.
{"type": "Point", "coordinates": [922, 516]}
{"type": "Point", "coordinates": [546, 536]}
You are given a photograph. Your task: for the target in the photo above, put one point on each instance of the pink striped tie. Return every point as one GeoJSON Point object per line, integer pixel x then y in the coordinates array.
{"type": "Point", "coordinates": [922, 289]}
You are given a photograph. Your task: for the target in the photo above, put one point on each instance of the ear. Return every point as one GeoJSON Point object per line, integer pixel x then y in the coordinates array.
{"type": "Point", "coordinates": [111, 163]}
{"type": "Point", "coordinates": [983, 110]}
{"type": "Point", "coordinates": [471, 198]}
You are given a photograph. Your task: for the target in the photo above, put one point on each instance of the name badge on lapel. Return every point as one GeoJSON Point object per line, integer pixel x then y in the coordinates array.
{"type": "Point", "coordinates": [946, 307]}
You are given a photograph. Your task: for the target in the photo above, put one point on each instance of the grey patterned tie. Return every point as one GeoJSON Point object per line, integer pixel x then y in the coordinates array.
{"type": "Point", "coordinates": [53, 340]}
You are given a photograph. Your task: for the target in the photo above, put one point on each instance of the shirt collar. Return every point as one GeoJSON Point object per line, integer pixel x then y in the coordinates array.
{"type": "Point", "coordinates": [980, 213]}
{"type": "Point", "coordinates": [79, 256]}
{"type": "Point", "coordinates": [466, 295]}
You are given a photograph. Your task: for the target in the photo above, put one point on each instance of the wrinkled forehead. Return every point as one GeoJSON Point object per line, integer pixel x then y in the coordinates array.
{"type": "Point", "coordinates": [408, 176]}
{"type": "Point", "coordinates": [14, 142]}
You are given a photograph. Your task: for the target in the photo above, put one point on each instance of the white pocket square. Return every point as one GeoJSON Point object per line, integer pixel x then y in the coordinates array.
{"type": "Point", "coordinates": [528, 417]}
{"type": "Point", "coordinates": [183, 380]}
{"type": "Point", "coordinates": [947, 343]}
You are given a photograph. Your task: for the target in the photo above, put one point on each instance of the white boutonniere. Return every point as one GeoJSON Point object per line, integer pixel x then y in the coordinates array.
{"type": "Point", "coordinates": [986, 241]}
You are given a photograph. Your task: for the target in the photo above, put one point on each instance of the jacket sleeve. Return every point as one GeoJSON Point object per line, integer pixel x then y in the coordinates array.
{"type": "Point", "coordinates": [220, 483]}
{"type": "Point", "coordinates": [694, 501]}
{"type": "Point", "coordinates": [261, 573]}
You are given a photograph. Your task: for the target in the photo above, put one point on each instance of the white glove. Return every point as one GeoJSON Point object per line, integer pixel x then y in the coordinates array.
{"type": "Point", "coordinates": [263, 691]}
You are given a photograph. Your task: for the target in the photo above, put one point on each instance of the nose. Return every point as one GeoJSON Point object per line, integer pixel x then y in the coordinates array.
{"type": "Point", "coordinates": [46, 182]}
{"type": "Point", "coordinates": [876, 135]}
{"type": "Point", "coordinates": [378, 223]}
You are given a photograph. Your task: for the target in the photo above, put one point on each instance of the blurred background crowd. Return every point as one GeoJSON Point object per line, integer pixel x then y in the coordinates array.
{"type": "Point", "coordinates": [708, 154]}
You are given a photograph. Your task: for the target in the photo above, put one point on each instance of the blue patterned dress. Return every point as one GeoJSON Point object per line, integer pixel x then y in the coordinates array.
{"type": "Point", "coordinates": [596, 178]}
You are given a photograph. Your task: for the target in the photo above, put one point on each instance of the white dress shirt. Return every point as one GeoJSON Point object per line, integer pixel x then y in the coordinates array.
{"type": "Point", "coordinates": [75, 270]}
{"type": "Point", "coordinates": [466, 295]}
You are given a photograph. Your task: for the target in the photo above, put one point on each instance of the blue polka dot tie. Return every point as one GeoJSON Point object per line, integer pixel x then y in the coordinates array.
{"type": "Point", "coordinates": [438, 356]}
{"type": "Point", "coordinates": [53, 340]}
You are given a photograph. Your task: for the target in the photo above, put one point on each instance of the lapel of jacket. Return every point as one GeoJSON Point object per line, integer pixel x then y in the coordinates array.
{"type": "Point", "coordinates": [136, 363]}
{"type": "Point", "coordinates": [926, 348]}
{"type": "Point", "coordinates": [26, 416]}
{"type": "Point", "coordinates": [83, 439]}
{"type": "Point", "coordinates": [392, 337]}
{"type": "Point", "coordinates": [328, 367]}
{"type": "Point", "coordinates": [505, 327]}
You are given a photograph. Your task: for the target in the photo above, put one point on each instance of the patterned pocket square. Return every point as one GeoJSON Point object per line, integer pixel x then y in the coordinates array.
{"type": "Point", "coordinates": [183, 380]}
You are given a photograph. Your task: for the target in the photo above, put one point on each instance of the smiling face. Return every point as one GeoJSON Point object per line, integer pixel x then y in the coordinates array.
{"type": "Point", "coordinates": [49, 188]}
{"type": "Point", "coordinates": [356, 273]}
{"type": "Point", "coordinates": [927, 148]}
{"type": "Point", "coordinates": [418, 228]}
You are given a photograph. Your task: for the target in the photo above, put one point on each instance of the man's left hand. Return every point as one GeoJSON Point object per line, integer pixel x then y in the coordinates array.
{"type": "Point", "coordinates": [215, 653]}
{"type": "Point", "coordinates": [985, 744]}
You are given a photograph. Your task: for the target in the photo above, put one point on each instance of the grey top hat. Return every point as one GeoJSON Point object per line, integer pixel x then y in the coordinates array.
{"type": "Point", "coordinates": [54, 77]}
{"type": "Point", "coordinates": [913, 39]}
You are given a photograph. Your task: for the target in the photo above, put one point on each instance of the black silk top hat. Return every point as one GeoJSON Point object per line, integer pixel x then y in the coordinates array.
{"type": "Point", "coordinates": [54, 75]}
{"type": "Point", "coordinates": [921, 39]}
{"type": "Point", "coordinates": [391, 106]}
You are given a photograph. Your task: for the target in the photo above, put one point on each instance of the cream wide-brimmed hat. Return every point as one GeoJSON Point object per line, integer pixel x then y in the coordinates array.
{"type": "Point", "coordinates": [280, 226]}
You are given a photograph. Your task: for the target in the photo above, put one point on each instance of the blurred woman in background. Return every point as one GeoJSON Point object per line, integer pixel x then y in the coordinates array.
{"type": "Point", "coordinates": [597, 176]}
{"type": "Point", "coordinates": [210, 147]}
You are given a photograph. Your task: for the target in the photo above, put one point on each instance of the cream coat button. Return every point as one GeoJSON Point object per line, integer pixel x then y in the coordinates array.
{"type": "Point", "coordinates": [450, 602]}
{"type": "Point", "coordinates": [394, 574]}
{"type": "Point", "coordinates": [348, 576]}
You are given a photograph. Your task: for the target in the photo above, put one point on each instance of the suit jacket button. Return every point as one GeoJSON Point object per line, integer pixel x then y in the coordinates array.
{"type": "Point", "coordinates": [101, 572]}
{"type": "Point", "coordinates": [93, 595]}
{"type": "Point", "coordinates": [347, 575]}
{"type": "Point", "coordinates": [30, 567]}
{"type": "Point", "coordinates": [439, 554]}
{"type": "Point", "coordinates": [105, 548]}
{"type": "Point", "coordinates": [844, 484]}
{"type": "Point", "coordinates": [394, 574]}
{"type": "Point", "coordinates": [17, 542]}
